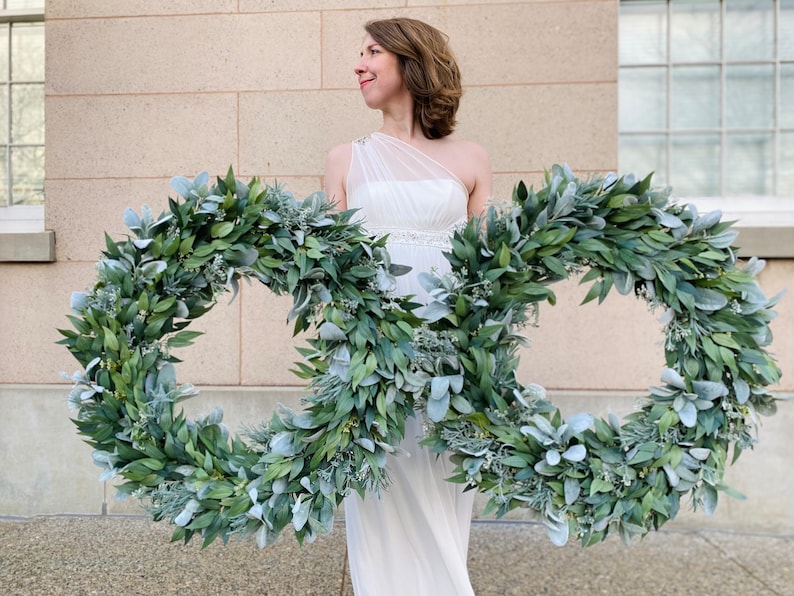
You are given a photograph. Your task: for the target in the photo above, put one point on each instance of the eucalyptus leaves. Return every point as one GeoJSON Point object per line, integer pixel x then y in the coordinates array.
{"type": "Point", "coordinates": [373, 359]}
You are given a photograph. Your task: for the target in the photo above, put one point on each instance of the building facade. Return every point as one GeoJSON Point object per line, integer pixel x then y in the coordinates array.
{"type": "Point", "coordinates": [138, 91]}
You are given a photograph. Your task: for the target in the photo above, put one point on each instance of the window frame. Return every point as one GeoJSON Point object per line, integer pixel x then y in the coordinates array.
{"type": "Point", "coordinates": [22, 233]}
{"type": "Point", "coordinates": [765, 222]}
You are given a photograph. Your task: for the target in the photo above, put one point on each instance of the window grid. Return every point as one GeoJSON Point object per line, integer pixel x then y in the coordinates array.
{"type": "Point", "coordinates": [672, 134]}
{"type": "Point", "coordinates": [13, 14]}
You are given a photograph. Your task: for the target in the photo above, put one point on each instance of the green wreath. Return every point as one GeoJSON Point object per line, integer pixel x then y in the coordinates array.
{"type": "Point", "coordinates": [373, 359]}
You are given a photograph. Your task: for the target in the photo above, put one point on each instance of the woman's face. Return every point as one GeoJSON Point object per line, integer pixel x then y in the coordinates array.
{"type": "Point", "coordinates": [379, 76]}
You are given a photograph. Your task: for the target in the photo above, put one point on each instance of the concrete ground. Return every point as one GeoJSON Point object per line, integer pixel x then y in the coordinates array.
{"type": "Point", "coordinates": [132, 555]}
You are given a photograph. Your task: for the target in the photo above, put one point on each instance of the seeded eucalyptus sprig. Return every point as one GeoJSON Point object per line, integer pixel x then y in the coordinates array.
{"type": "Point", "coordinates": [373, 359]}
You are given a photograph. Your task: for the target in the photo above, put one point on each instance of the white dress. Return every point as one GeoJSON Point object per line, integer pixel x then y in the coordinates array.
{"type": "Point", "coordinates": [413, 540]}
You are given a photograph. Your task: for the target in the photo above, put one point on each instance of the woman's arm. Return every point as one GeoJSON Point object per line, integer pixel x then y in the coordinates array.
{"type": "Point", "coordinates": [481, 193]}
{"type": "Point", "coordinates": [336, 166]}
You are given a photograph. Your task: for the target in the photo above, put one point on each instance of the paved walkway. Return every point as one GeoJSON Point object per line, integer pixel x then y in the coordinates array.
{"type": "Point", "coordinates": [132, 555]}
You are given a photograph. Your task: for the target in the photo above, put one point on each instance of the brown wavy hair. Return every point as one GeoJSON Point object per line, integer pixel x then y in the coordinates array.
{"type": "Point", "coordinates": [428, 69]}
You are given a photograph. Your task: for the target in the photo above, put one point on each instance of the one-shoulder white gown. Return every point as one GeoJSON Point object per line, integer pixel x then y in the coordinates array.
{"type": "Point", "coordinates": [413, 540]}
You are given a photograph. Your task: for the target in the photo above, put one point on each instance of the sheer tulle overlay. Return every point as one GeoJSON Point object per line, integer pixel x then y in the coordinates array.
{"type": "Point", "coordinates": [413, 539]}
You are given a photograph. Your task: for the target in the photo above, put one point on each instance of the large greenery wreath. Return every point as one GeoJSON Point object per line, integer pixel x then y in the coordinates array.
{"type": "Point", "coordinates": [374, 360]}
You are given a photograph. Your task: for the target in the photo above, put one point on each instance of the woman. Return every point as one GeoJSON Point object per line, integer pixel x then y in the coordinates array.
{"type": "Point", "coordinates": [416, 181]}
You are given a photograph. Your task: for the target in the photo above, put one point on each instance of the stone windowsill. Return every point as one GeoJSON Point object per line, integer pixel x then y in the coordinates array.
{"type": "Point", "coordinates": [27, 247]}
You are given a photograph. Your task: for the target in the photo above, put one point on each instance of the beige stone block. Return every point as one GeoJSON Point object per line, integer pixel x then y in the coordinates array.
{"type": "Point", "coordinates": [36, 302]}
{"type": "Point", "coordinates": [615, 345]}
{"type": "Point", "coordinates": [46, 466]}
{"type": "Point", "coordinates": [150, 136]}
{"type": "Point", "coordinates": [514, 43]}
{"type": "Point", "coordinates": [82, 211]}
{"type": "Point", "coordinates": [530, 128]}
{"type": "Point", "coordinates": [324, 5]}
{"type": "Point", "coordinates": [289, 134]}
{"type": "Point", "coordinates": [777, 277]}
{"type": "Point", "coordinates": [268, 348]}
{"type": "Point", "coordinates": [71, 9]}
{"type": "Point", "coordinates": [186, 54]}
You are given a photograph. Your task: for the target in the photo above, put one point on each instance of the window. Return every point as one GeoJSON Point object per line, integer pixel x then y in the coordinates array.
{"type": "Point", "coordinates": [706, 92]}
{"type": "Point", "coordinates": [21, 115]}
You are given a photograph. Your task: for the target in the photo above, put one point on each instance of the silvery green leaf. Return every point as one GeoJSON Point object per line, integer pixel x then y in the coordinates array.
{"type": "Point", "coordinates": [398, 270]}
{"type": "Point", "coordinates": [142, 243]}
{"type": "Point", "coordinates": [672, 476]}
{"type": "Point", "coordinates": [552, 457]}
{"type": "Point", "coordinates": [537, 434]}
{"type": "Point", "coordinates": [201, 179]}
{"type": "Point", "coordinates": [307, 484]}
{"type": "Point", "coordinates": [182, 186]}
{"type": "Point", "coordinates": [181, 310]}
{"type": "Point", "coordinates": [754, 266]}
{"type": "Point", "coordinates": [706, 221]}
{"type": "Point", "coordinates": [280, 485]}
{"type": "Point", "coordinates": [667, 220]}
{"type": "Point", "coordinates": [326, 487]}
{"type": "Point", "coordinates": [667, 316]}
{"type": "Point", "coordinates": [439, 386]}
{"type": "Point", "coordinates": [544, 425]}
{"type": "Point", "coordinates": [572, 489]}
{"type": "Point", "coordinates": [707, 498]}
{"type": "Point", "coordinates": [455, 383]}
{"type": "Point", "coordinates": [428, 281]}
{"type": "Point", "coordinates": [709, 390]}
{"type": "Point", "coordinates": [153, 268]}
{"type": "Point", "coordinates": [624, 282]}
{"type": "Point", "coordinates": [328, 331]}
{"type": "Point", "coordinates": [614, 422]}
{"type": "Point", "coordinates": [255, 512]}
{"type": "Point", "coordinates": [671, 377]}
{"type": "Point", "coordinates": [461, 404]}
{"type": "Point", "coordinates": [366, 443]}
{"type": "Point", "coordinates": [282, 444]}
{"type": "Point", "coordinates": [577, 423]}
{"type": "Point", "coordinates": [557, 531]}
{"type": "Point", "coordinates": [723, 239]}
{"type": "Point", "coordinates": [132, 220]}
{"type": "Point", "coordinates": [369, 380]}
{"type": "Point", "coordinates": [679, 402]}
{"type": "Point", "coordinates": [437, 408]}
{"type": "Point", "coordinates": [78, 301]}
{"type": "Point", "coordinates": [688, 415]}
{"type": "Point", "coordinates": [264, 537]}
{"type": "Point", "coordinates": [742, 390]}
{"type": "Point", "coordinates": [386, 447]}
{"type": "Point", "coordinates": [555, 184]}
{"type": "Point", "coordinates": [700, 453]}
{"type": "Point", "coordinates": [384, 281]}
{"type": "Point", "coordinates": [575, 453]}
{"type": "Point", "coordinates": [435, 311]}
{"type": "Point", "coordinates": [710, 300]}
{"type": "Point", "coordinates": [184, 518]}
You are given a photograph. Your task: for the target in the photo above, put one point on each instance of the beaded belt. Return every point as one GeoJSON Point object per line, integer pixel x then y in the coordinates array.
{"type": "Point", "coordinates": [439, 239]}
